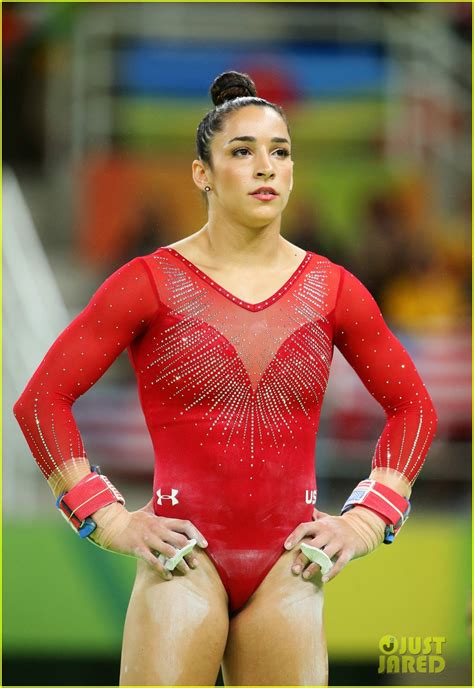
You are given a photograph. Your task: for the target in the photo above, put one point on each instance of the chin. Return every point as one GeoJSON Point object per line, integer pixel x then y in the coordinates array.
{"type": "Point", "coordinates": [266, 214]}
{"type": "Point", "coordinates": [260, 221]}
{"type": "Point", "coordinates": [257, 218]}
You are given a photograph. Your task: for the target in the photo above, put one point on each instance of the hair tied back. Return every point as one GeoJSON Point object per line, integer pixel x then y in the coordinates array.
{"type": "Point", "coordinates": [231, 85]}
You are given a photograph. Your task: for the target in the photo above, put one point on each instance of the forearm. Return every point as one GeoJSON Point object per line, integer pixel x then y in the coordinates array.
{"type": "Point", "coordinates": [392, 478]}
{"type": "Point", "coordinates": [63, 478]}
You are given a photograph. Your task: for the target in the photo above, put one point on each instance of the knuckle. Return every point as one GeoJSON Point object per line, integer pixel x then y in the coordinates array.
{"type": "Point", "coordinates": [157, 527]}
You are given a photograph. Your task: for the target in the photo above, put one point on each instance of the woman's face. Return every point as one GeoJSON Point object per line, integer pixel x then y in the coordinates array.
{"type": "Point", "coordinates": [252, 152]}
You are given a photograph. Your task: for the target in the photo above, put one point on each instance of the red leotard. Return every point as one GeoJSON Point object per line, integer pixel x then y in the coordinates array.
{"type": "Point", "coordinates": [232, 394]}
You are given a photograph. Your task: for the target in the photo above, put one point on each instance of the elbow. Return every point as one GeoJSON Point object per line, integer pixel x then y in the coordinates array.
{"type": "Point", "coordinates": [431, 413]}
{"type": "Point", "coordinates": [433, 418]}
{"type": "Point", "coordinates": [23, 405]}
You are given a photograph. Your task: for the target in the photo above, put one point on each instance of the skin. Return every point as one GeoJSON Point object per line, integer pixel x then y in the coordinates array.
{"type": "Point", "coordinates": [178, 629]}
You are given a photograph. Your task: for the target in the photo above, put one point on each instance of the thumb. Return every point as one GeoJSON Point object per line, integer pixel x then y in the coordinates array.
{"type": "Point", "coordinates": [318, 514]}
{"type": "Point", "coordinates": [148, 508]}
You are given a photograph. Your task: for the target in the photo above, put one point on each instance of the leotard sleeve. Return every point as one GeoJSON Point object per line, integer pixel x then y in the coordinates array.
{"type": "Point", "coordinates": [390, 376]}
{"type": "Point", "coordinates": [118, 312]}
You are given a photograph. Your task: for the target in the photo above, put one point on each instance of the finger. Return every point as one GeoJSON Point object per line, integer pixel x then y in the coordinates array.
{"type": "Point", "coordinates": [312, 570]}
{"type": "Point", "coordinates": [184, 526]}
{"type": "Point", "coordinates": [342, 561]}
{"type": "Point", "coordinates": [150, 559]}
{"type": "Point", "coordinates": [176, 539]}
{"type": "Point", "coordinates": [321, 541]}
{"type": "Point", "coordinates": [148, 508]}
{"type": "Point", "coordinates": [182, 567]}
{"type": "Point", "coordinates": [333, 548]}
{"type": "Point", "coordinates": [300, 563]}
{"type": "Point", "coordinates": [318, 514]}
{"type": "Point", "coordinates": [161, 547]}
{"type": "Point", "coordinates": [301, 531]}
{"type": "Point", "coordinates": [191, 561]}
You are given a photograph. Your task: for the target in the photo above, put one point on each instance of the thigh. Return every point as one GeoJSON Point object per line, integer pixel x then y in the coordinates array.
{"type": "Point", "coordinates": [278, 638]}
{"type": "Point", "coordinates": [175, 631]}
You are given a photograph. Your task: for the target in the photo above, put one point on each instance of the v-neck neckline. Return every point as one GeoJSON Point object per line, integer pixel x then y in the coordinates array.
{"type": "Point", "coordinates": [235, 299]}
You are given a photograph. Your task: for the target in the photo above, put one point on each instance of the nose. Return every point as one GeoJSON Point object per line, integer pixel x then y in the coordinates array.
{"type": "Point", "coordinates": [264, 167]}
{"type": "Point", "coordinates": [265, 174]}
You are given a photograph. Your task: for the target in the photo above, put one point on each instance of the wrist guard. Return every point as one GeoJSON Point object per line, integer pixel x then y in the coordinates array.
{"type": "Point", "coordinates": [387, 503]}
{"type": "Point", "coordinates": [89, 495]}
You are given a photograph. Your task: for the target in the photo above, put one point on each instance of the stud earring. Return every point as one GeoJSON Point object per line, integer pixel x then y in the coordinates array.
{"type": "Point", "coordinates": [207, 189]}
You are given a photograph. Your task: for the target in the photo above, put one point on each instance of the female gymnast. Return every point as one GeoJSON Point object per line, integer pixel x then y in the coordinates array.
{"type": "Point", "coordinates": [231, 333]}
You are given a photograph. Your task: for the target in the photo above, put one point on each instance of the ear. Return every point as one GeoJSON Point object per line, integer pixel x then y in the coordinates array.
{"type": "Point", "coordinates": [201, 174]}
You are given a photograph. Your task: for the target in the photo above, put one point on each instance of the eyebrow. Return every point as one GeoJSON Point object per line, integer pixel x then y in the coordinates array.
{"type": "Point", "coordinates": [252, 139]}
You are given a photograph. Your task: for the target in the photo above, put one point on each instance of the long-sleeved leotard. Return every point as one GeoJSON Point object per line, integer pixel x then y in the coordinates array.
{"type": "Point", "coordinates": [231, 393]}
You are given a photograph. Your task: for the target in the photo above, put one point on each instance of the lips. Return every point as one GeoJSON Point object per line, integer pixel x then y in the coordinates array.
{"type": "Point", "coordinates": [264, 191]}
{"type": "Point", "coordinates": [264, 194]}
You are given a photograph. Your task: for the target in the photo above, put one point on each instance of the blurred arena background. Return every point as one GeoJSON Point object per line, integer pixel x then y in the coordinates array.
{"type": "Point", "coordinates": [100, 106]}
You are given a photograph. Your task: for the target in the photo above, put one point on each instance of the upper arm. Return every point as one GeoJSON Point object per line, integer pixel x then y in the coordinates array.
{"type": "Point", "coordinates": [120, 310]}
{"type": "Point", "coordinates": [375, 353]}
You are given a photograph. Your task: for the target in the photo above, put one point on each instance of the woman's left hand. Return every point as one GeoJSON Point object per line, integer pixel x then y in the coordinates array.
{"type": "Point", "coordinates": [335, 536]}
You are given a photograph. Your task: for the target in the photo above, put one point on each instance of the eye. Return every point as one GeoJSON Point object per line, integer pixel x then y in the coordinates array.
{"type": "Point", "coordinates": [282, 152]}
{"type": "Point", "coordinates": [241, 152]}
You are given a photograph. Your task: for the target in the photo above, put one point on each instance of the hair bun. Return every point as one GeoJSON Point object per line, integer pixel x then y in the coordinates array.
{"type": "Point", "coordinates": [231, 85]}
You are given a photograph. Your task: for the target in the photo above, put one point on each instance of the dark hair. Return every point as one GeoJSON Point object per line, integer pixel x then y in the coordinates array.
{"type": "Point", "coordinates": [230, 91]}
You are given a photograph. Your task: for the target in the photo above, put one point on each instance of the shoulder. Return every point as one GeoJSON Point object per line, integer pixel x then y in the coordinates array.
{"type": "Point", "coordinates": [135, 270]}
{"type": "Point", "coordinates": [131, 283]}
{"type": "Point", "coordinates": [322, 262]}
{"type": "Point", "coordinates": [345, 277]}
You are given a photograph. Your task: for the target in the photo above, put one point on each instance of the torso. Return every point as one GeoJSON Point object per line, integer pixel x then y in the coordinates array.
{"type": "Point", "coordinates": [231, 392]}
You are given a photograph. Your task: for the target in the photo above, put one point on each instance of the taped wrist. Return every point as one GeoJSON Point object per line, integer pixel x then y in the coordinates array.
{"type": "Point", "coordinates": [93, 492]}
{"type": "Point", "coordinates": [110, 521]}
{"type": "Point", "coordinates": [384, 502]}
{"type": "Point", "coordinates": [369, 526]}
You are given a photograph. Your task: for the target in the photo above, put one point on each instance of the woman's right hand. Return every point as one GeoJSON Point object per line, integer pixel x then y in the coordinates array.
{"type": "Point", "coordinates": [144, 535]}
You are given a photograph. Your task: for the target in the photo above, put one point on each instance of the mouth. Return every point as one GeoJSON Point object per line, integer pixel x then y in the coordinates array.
{"type": "Point", "coordinates": [265, 193]}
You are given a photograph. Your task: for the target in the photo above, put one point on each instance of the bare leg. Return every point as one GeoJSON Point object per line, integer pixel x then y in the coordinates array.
{"type": "Point", "coordinates": [278, 639]}
{"type": "Point", "coordinates": [175, 631]}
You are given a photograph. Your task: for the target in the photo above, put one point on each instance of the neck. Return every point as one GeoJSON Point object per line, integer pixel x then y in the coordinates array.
{"type": "Point", "coordinates": [229, 241]}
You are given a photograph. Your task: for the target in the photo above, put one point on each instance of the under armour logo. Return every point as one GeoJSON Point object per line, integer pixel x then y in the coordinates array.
{"type": "Point", "coordinates": [171, 496]}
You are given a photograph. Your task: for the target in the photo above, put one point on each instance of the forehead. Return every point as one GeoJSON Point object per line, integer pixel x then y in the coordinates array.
{"type": "Point", "coordinates": [253, 120]}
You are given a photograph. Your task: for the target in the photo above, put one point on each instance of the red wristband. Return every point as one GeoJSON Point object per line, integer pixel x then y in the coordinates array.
{"type": "Point", "coordinates": [91, 493]}
{"type": "Point", "coordinates": [388, 504]}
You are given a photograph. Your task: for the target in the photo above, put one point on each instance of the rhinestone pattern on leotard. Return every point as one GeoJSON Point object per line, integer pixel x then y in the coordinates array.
{"type": "Point", "coordinates": [253, 381]}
